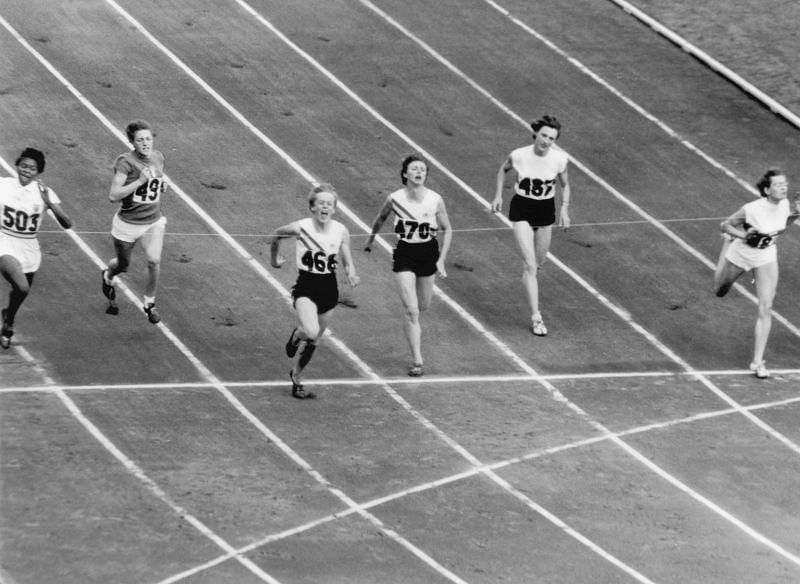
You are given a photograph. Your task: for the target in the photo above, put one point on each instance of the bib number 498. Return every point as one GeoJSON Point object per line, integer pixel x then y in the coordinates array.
{"type": "Point", "coordinates": [150, 191]}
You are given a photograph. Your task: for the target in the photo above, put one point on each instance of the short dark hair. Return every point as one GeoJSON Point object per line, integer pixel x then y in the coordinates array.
{"type": "Point", "coordinates": [135, 126]}
{"type": "Point", "coordinates": [550, 121]}
{"type": "Point", "coordinates": [407, 162]}
{"type": "Point", "coordinates": [766, 181]}
{"type": "Point", "coordinates": [36, 155]}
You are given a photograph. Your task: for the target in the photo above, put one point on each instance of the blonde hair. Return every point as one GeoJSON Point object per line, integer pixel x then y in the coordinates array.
{"type": "Point", "coordinates": [322, 188]}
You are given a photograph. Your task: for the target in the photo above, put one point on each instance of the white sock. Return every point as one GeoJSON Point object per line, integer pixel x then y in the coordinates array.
{"type": "Point", "coordinates": [148, 300]}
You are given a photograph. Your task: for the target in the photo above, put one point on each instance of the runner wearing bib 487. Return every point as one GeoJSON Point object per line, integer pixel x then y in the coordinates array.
{"type": "Point", "coordinates": [539, 169]}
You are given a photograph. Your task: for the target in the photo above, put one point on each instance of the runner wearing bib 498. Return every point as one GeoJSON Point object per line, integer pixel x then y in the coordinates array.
{"type": "Point", "coordinates": [138, 184]}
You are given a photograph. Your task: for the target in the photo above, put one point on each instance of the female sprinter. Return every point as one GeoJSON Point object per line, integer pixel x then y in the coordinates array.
{"type": "Point", "coordinates": [749, 244]}
{"type": "Point", "coordinates": [23, 202]}
{"type": "Point", "coordinates": [533, 210]}
{"type": "Point", "coordinates": [417, 258]}
{"type": "Point", "coordinates": [319, 240]}
{"type": "Point", "coordinates": [137, 184]}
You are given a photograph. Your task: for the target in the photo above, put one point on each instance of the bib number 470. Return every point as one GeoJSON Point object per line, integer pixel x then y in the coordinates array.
{"type": "Point", "coordinates": [406, 229]}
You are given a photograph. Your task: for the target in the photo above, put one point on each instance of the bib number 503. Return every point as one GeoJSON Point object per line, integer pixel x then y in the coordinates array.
{"type": "Point", "coordinates": [18, 220]}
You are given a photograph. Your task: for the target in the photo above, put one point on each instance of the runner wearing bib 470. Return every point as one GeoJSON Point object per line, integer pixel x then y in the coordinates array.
{"type": "Point", "coordinates": [419, 215]}
{"type": "Point", "coordinates": [416, 226]}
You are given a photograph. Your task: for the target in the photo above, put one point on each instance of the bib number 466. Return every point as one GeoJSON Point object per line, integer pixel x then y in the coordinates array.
{"type": "Point", "coordinates": [319, 262]}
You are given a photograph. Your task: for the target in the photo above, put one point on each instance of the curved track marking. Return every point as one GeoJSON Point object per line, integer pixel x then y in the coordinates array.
{"type": "Point", "coordinates": [500, 481]}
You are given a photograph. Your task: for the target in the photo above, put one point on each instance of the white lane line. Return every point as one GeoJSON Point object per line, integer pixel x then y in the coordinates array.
{"type": "Point", "coordinates": [658, 224]}
{"type": "Point", "coordinates": [552, 389]}
{"type": "Point", "coordinates": [354, 358]}
{"type": "Point", "coordinates": [455, 478]}
{"type": "Point", "coordinates": [121, 457]}
{"type": "Point", "coordinates": [613, 90]}
{"type": "Point", "coordinates": [618, 310]}
{"type": "Point", "coordinates": [486, 380]}
{"type": "Point", "coordinates": [497, 479]}
{"type": "Point", "coordinates": [621, 312]}
{"type": "Point", "coordinates": [224, 391]}
{"type": "Point", "coordinates": [773, 105]}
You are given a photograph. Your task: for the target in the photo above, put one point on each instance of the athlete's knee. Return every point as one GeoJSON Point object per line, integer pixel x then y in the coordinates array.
{"type": "Point", "coordinates": [312, 333]}
{"type": "Point", "coordinates": [530, 269]}
{"type": "Point", "coordinates": [765, 308]}
{"type": "Point", "coordinates": [22, 288]}
{"type": "Point", "coordinates": [153, 264]}
{"type": "Point", "coordinates": [411, 313]}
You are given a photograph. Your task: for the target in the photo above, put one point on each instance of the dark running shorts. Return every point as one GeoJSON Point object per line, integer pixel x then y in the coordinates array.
{"type": "Point", "coordinates": [537, 212]}
{"type": "Point", "coordinates": [419, 258]}
{"type": "Point", "coordinates": [321, 289]}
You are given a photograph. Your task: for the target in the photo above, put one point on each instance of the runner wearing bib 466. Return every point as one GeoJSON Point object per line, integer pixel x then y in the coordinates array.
{"type": "Point", "coordinates": [320, 243]}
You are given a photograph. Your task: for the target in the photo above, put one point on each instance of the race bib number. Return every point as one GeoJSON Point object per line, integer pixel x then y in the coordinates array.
{"type": "Point", "coordinates": [759, 240]}
{"type": "Point", "coordinates": [412, 230]}
{"type": "Point", "coordinates": [17, 220]}
{"type": "Point", "coordinates": [150, 192]}
{"type": "Point", "coordinates": [536, 188]}
{"type": "Point", "coordinates": [319, 262]}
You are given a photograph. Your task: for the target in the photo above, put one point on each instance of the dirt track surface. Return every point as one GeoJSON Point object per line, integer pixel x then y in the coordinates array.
{"type": "Point", "coordinates": [758, 40]}
{"type": "Point", "coordinates": [634, 459]}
